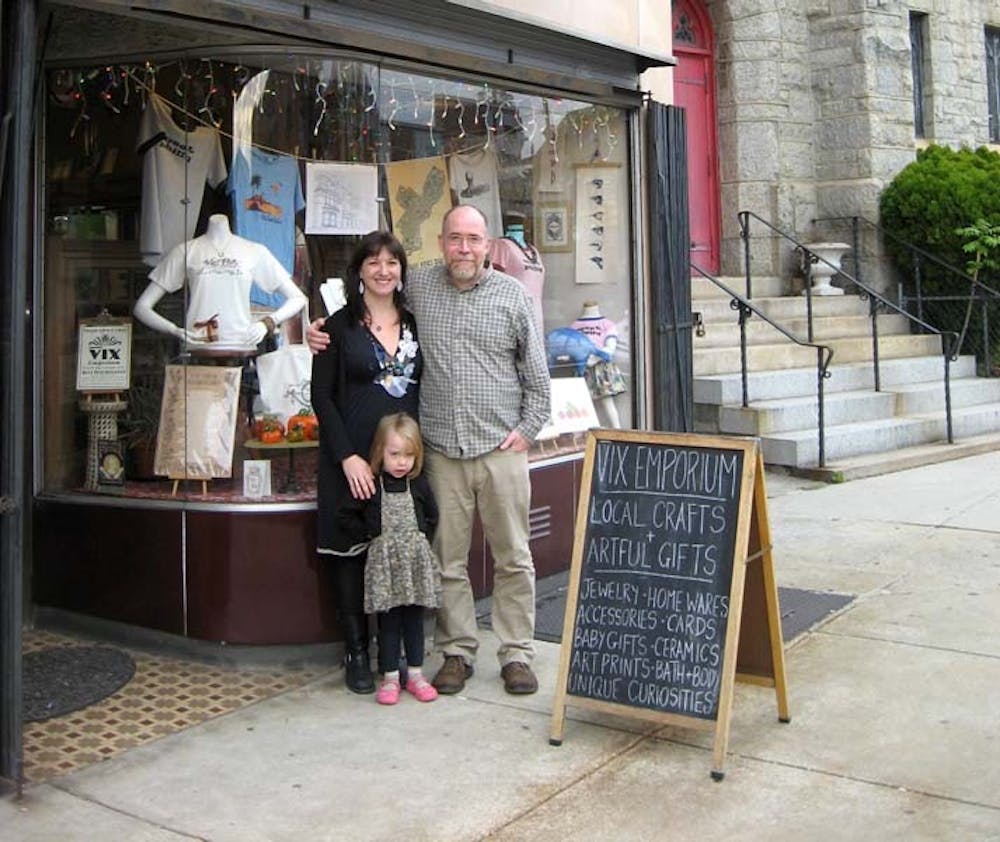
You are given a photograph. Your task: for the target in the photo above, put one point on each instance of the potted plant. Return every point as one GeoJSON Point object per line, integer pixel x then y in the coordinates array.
{"type": "Point", "coordinates": [138, 426]}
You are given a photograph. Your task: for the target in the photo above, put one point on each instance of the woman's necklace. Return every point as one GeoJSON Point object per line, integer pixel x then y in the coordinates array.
{"type": "Point", "coordinates": [377, 324]}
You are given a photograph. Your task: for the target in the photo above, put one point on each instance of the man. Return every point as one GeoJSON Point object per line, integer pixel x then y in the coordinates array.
{"type": "Point", "coordinates": [484, 396]}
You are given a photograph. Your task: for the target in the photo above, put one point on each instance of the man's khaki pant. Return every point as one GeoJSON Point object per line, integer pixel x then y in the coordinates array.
{"type": "Point", "coordinates": [498, 484]}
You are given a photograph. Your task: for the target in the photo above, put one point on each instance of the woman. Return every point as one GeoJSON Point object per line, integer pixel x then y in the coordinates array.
{"type": "Point", "coordinates": [371, 368]}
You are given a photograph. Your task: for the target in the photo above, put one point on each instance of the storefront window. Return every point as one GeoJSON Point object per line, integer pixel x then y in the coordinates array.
{"type": "Point", "coordinates": [300, 155]}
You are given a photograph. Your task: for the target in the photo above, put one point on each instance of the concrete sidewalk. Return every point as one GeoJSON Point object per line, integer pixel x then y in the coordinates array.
{"type": "Point", "coordinates": [895, 730]}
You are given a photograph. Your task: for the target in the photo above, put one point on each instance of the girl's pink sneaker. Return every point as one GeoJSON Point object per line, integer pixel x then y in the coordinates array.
{"type": "Point", "coordinates": [421, 689]}
{"type": "Point", "coordinates": [388, 691]}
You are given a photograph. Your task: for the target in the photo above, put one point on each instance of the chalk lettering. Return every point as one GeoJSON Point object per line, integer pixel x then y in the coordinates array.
{"type": "Point", "coordinates": [689, 516]}
{"type": "Point", "coordinates": [594, 686]}
{"type": "Point", "coordinates": [609, 591]}
{"type": "Point", "coordinates": [618, 512]}
{"type": "Point", "coordinates": [687, 559]}
{"type": "Point", "coordinates": [612, 552]}
{"type": "Point", "coordinates": [611, 459]}
{"type": "Point", "coordinates": [666, 599]}
{"type": "Point", "coordinates": [687, 471]}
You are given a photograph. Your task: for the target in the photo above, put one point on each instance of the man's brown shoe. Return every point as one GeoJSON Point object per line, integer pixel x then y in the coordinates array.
{"type": "Point", "coordinates": [518, 679]}
{"type": "Point", "coordinates": [452, 676]}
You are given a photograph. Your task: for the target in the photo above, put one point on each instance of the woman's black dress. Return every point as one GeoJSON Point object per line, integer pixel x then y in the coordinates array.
{"type": "Point", "coordinates": [354, 384]}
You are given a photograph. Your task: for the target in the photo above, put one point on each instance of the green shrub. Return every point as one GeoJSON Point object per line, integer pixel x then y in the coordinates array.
{"type": "Point", "coordinates": [931, 200]}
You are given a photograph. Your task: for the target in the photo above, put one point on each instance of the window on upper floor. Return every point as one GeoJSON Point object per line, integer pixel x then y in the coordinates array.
{"type": "Point", "coordinates": [919, 59]}
{"type": "Point", "coordinates": [993, 80]}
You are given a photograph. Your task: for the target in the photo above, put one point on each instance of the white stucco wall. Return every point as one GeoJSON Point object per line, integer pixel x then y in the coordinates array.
{"type": "Point", "coordinates": [640, 25]}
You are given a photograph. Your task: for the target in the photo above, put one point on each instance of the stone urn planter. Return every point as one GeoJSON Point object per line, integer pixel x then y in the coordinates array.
{"type": "Point", "coordinates": [820, 262]}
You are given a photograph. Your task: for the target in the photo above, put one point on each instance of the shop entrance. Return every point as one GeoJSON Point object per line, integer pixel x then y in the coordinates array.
{"type": "Point", "coordinates": [694, 91]}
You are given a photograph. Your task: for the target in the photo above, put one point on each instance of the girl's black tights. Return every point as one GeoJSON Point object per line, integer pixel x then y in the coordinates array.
{"type": "Point", "coordinates": [402, 624]}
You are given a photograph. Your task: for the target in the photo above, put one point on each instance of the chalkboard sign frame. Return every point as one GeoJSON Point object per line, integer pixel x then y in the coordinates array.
{"type": "Point", "coordinates": [750, 543]}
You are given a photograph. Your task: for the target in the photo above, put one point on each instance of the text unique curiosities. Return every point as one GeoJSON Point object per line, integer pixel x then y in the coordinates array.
{"type": "Point", "coordinates": [653, 601]}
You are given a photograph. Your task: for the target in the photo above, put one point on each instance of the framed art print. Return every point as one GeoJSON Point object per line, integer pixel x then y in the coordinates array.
{"type": "Point", "coordinates": [598, 193]}
{"type": "Point", "coordinates": [553, 226]}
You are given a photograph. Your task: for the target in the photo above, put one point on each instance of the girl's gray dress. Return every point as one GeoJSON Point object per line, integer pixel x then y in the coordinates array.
{"type": "Point", "coordinates": [401, 568]}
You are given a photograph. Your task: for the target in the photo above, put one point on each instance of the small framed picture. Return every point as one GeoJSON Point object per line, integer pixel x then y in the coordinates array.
{"type": "Point", "coordinates": [110, 466]}
{"type": "Point", "coordinates": [553, 227]}
{"type": "Point", "coordinates": [257, 478]}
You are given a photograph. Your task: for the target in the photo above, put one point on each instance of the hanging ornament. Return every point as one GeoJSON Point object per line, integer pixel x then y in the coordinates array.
{"type": "Point", "coordinates": [181, 85]}
{"type": "Point", "coordinates": [416, 98]}
{"type": "Point", "coordinates": [109, 84]}
{"type": "Point", "coordinates": [126, 83]}
{"type": "Point", "coordinates": [321, 102]}
{"type": "Point", "coordinates": [393, 106]}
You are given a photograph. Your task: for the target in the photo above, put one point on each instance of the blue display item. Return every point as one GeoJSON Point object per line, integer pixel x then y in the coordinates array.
{"type": "Point", "coordinates": [267, 194]}
{"type": "Point", "coordinates": [568, 346]}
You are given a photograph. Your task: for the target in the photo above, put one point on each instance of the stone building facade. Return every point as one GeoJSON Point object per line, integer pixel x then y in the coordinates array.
{"type": "Point", "coordinates": [815, 104]}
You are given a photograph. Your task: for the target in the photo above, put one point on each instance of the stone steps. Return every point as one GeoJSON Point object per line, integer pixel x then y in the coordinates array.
{"type": "Point", "coordinates": [760, 332]}
{"type": "Point", "coordinates": [787, 354]}
{"type": "Point", "coordinates": [800, 448]}
{"type": "Point", "coordinates": [767, 385]}
{"type": "Point", "coordinates": [779, 415]}
{"type": "Point", "coordinates": [718, 310]}
{"type": "Point", "coordinates": [902, 424]}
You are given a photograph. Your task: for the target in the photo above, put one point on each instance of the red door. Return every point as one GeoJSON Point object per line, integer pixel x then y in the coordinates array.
{"type": "Point", "coordinates": [694, 91]}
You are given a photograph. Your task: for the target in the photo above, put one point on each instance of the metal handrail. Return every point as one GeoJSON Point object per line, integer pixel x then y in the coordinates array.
{"type": "Point", "coordinates": [978, 291]}
{"type": "Point", "coordinates": [916, 250]}
{"type": "Point", "coordinates": [824, 353]}
{"type": "Point", "coordinates": [949, 339]}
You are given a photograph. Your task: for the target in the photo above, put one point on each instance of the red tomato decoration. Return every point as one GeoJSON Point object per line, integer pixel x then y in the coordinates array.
{"type": "Point", "coordinates": [268, 429]}
{"type": "Point", "coordinates": [303, 427]}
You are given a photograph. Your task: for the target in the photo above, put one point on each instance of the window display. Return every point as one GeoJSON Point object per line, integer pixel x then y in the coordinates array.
{"type": "Point", "coordinates": [211, 199]}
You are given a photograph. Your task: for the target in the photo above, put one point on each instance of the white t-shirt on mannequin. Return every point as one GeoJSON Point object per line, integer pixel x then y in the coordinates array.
{"type": "Point", "coordinates": [219, 268]}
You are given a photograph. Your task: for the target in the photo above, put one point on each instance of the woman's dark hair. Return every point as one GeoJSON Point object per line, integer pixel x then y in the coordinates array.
{"type": "Point", "coordinates": [369, 246]}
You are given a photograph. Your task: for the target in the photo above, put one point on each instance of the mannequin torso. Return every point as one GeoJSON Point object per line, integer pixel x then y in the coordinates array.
{"type": "Point", "coordinates": [219, 269]}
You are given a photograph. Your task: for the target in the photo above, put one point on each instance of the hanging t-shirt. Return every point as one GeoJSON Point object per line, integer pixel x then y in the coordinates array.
{"type": "Point", "coordinates": [525, 264]}
{"type": "Point", "coordinates": [267, 193]}
{"type": "Point", "coordinates": [219, 281]}
{"type": "Point", "coordinates": [175, 166]}
{"type": "Point", "coordinates": [473, 177]}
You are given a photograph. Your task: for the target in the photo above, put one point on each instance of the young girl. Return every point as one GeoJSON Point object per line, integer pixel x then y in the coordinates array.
{"type": "Point", "coordinates": [401, 573]}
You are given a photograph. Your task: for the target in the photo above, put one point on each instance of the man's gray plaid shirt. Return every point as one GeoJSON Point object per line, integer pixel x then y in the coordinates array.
{"type": "Point", "coordinates": [485, 370]}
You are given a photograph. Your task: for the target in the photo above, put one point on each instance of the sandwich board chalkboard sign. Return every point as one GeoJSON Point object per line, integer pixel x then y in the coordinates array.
{"type": "Point", "coordinates": [672, 542]}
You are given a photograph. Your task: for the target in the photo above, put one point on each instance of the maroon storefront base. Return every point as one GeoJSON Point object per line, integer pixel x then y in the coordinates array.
{"type": "Point", "coordinates": [244, 576]}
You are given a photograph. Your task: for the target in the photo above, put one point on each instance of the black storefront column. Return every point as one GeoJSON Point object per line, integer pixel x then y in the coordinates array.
{"type": "Point", "coordinates": [19, 64]}
{"type": "Point", "coordinates": [670, 269]}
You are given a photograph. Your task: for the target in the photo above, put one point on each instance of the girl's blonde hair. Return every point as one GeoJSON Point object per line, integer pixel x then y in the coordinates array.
{"type": "Point", "coordinates": [406, 428]}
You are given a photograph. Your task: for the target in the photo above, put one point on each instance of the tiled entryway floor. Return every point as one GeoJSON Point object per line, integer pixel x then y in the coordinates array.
{"type": "Point", "coordinates": [165, 695]}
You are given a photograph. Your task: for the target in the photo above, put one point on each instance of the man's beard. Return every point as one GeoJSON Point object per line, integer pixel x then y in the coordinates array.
{"type": "Point", "coordinates": [463, 270]}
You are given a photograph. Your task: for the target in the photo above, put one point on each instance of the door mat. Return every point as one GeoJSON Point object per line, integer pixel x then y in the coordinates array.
{"type": "Point", "coordinates": [60, 679]}
{"type": "Point", "coordinates": [800, 609]}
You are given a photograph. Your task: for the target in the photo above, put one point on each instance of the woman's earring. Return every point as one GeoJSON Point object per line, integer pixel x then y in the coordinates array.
{"type": "Point", "coordinates": [361, 288]}
{"type": "Point", "coordinates": [399, 286]}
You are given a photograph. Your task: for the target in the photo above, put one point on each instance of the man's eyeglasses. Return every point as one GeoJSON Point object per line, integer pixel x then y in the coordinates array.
{"type": "Point", "coordinates": [471, 240]}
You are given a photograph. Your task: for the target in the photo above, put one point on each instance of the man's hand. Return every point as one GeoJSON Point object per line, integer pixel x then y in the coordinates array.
{"type": "Point", "coordinates": [515, 441]}
{"type": "Point", "coordinates": [316, 338]}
